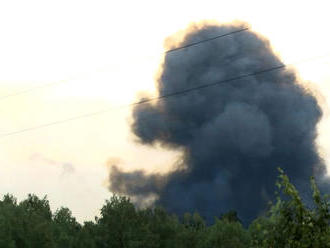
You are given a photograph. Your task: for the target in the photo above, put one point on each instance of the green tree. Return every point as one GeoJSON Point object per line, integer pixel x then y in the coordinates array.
{"type": "Point", "coordinates": [226, 234]}
{"type": "Point", "coordinates": [66, 228]}
{"type": "Point", "coordinates": [291, 224]}
{"type": "Point", "coordinates": [36, 220]}
{"type": "Point", "coordinates": [8, 222]}
{"type": "Point", "coordinates": [193, 231]}
{"type": "Point", "coordinates": [231, 216]}
{"type": "Point", "coordinates": [88, 236]}
{"type": "Point", "coordinates": [162, 229]}
{"type": "Point", "coordinates": [118, 224]}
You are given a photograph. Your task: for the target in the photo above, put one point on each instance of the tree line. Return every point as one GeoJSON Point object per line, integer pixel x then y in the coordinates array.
{"type": "Point", "coordinates": [289, 223]}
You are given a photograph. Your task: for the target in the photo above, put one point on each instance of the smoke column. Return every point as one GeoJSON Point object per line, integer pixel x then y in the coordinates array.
{"type": "Point", "coordinates": [233, 136]}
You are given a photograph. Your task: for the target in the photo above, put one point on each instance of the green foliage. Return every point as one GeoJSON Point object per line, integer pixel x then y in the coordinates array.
{"type": "Point", "coordinates": [65, 228]}
{"type": "Point", "coordinates": [36, 219]}
{"type": "Point", "coordinates": [7, 213]}
{"type": "Point", "coordinates": [120, 225]}
{"type": "Point", "coordinates": [192, 231]}
{"type": "Point", "coordinates": [161, 229]}
{"type": "Point", "coordinates": [231, 216]}
{"type": "Point", "coordinates": [27, 224]}
{"type": "Point", "coordinates": [87, 236]}
{"type": "Point", "coordinates": [225, 234]}
{"type": "Point", "coordinates": [289, 223]}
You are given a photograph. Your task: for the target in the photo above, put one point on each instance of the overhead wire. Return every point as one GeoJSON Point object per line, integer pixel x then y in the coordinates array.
{"type": "Point", "coordinates": [207, 40]}
{"type": "Point", "coordinates": [168, 95]}
{"type": "Point", "coordinates": [22, 92]}
{"type": "Point", "coordinates": [26, 91]}
{"type": "Point", "coordinates": [161, 97]}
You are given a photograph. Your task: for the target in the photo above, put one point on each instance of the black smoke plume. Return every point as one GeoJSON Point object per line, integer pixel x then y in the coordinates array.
{"type": "Point", "coordinates": [233, 136]}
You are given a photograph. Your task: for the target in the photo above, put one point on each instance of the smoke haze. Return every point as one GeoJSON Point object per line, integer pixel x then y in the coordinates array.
{"type": "Point", "coordinates": [233, 136]}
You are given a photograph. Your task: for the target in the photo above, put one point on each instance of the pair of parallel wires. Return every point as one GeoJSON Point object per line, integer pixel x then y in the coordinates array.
{"type": "Point", "coordinates": [158, 98]}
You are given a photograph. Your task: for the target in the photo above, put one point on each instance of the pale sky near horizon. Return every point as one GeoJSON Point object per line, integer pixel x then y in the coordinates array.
{"type": "Point", "coordinates": [101, 54]}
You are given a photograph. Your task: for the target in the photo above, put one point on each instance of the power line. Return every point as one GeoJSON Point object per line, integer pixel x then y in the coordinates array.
{"type": "Point", "coordinates": [26, 91]}
{"type": "Point", "coordinates": [22, 92]}
{"type": "Point", "coordinates": [207, 40]}
{"type": "Point", "coordinates": [162, 97]}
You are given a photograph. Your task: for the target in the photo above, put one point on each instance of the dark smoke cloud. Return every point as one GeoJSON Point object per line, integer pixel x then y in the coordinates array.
{"type": "Point", "coordinates": [233, 136]}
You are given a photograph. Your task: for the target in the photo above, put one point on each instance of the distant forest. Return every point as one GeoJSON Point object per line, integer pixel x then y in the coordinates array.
{"type": "Point", "coordinates": [288, 223]}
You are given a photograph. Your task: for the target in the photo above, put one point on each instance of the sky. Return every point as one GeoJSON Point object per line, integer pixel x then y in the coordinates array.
{"type": "Point", "coordinates": [98, 55]}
